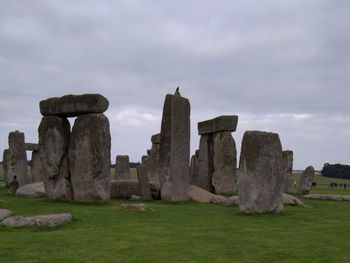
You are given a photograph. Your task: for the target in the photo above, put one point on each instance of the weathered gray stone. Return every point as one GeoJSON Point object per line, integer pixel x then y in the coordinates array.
{"type": "Point", "coordinates": [149, 152]}
{"type": "Point", "coordinates": [144, 159]}
{"type": "Point", "coordinates": [122, 169]}
{"type": "Point", "coordinates": [51, 221]}
{"type": "Point", "coordinates": [151, 163]}
{"type": "Point", "coordinates": [18, 159]}
{"type": "Point", "coordinates": [155, 139]}
{"type": "Point", "coordinates": [4, 213]}
{"type": "Point", "coordinates": [287, 171]}
{"type": "Point", "coordinates": [291, 200]}
{"type": "Point", "coordinates": [135, 198]}
{"type": "Point", "coordinates": [6, 162]}
{"type": "Point", "coordinates": [144, 183]}
{"type": "Point", "coordinates": [74, 105]}
{"type": "Point", "coordinates": [200, 195]}
{"type": "Point", "coordinates": [261, 173]}
{"type": "Point", "coordinates": [136, 207]}
{"type": "Point", "coordinates": [194, 168]}
{"type": "Point", "coordinates": [306, 179]}
{"type": "Point", "coordinates": [32, 146]}
{"type": "Point", "coordinates": [89, 158]}
{"type": "Point", "coordinates": [54, 138]}
{"type": "Point", "coordinates": [155, 190]}
{"type": "Point", "coordinates": [205, 163]}
{"type": "Point", "coordinates": [32, 190]}
{"type": "Point", "coordinates": [175, 148]}
{"type": "Point", "coordinates": [224, 163]}
{"type": "Point", "coordinates": [218, 124]}
{"type": "Point", "coordinates": [125, 188]}
{"type": "Point", "coordinates": [328, 197]}
{"type": "Point", "coordinates": [37, 169]}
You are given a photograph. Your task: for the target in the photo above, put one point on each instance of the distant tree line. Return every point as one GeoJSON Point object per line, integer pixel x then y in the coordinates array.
{"type": "Point", "coordinates": [336, 170]}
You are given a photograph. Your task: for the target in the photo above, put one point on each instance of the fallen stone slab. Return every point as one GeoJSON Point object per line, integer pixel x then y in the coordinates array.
{"type": "Point", "coordinates": [135, 207]}
{"type": "Point", "coordinates": [200, 195]}
{"type": "Point", "coordinates": [291, 200]}
{"type": "Point", "coordinates": [4, 213]}
{"type": "Point", "coordinates": [328, 197]}
{"type": "Point", "coordinates": [51, 220]}
{"type": "Point", "coordinates": [135, 197]}
{"type": "Point", "coordinates": [221, 123]}
{"type": "Point", "coordinates": [32, 190]}
{"type": "Point", "coordinates": [74, 105]}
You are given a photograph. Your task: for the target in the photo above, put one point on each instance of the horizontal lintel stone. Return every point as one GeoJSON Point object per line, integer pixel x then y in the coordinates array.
{"type": "Point", "coordinates": [218, 124]}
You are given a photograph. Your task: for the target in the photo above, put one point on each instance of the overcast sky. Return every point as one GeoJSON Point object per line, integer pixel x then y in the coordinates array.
{"type": "Point", "coordinates": [282, 66]}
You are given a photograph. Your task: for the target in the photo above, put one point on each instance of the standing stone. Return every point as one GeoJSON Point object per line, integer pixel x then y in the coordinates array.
{"type": "Point", "coordinates": [144, 183]}
{"type": "Point", "coordinates": [122, 169]}
{"type": "Point", "coordinates": [54, 133]}
{"type": "Point", "coordinates": [205, 163]}
{"type": "Point", "coordinates": [152, 161]}
{"type": "Point", "coordinates": [260, 184]}
{"type": "Point", "coordinates": [37, 170]}
{"type": "Point", "coordinates": [144, 159]}
{"type": "Point", "coordinates": [5, 166]}
{"type": "Point", "coordinates": [287, 171]}
{"type": "Point", "coordinates": [18, 158]}
{"type": "Point", "coordinates": [224, 163]}
{"type": "Point", "coordinates": [89, 156]}
{"type": "Point", "coordinates": [194, 168]}
{"type": "Point", "coordinates": [306, 179]}
{"type": "Point", "coordinates": [175, 148]}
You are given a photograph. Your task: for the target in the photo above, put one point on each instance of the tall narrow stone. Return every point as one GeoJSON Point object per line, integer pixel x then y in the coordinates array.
{"type": "Point", "coordinates": [145, 188]}
{"type": "Point", "coordinates": [54, 135]}
{"type": "Point", "coordinates": [36, 170]}
{"type": "Point", "coordinates": [175, 148]}
{"type": "Point", "coordinates": [89, 156]}
{"type": "Point", "coordinates": [194, 168]}
{"type": "Point", "coordinates": [18, 158]}
{"type": "Point", "coordinates": [152, 161]}
{"type": "Point", "coordinates": [122, 169]}
{"type": "Point", "coordinates": [287, 171]}
{"type": "Point", "coordinates": [205, 163]}
{"type": "Point", "coordinates": [306, 179]}
{"type": "Point", "coordinates": [224, 163]}
{"type": "Point", "coordinates": [6, 165]}
{"type": "Point", "coordinates": [261, 173]}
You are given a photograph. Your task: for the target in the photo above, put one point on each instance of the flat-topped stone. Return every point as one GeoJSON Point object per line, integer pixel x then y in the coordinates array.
{"type": "Point", "coordinates": [221, 123]}
{"type": "Point", "coordinates": [51, 220]}
{"type": "Point", "coordinates": [155, 138]}
{"type": "Point", "coordinates": [328, 197]}
{"type": "Point", "coordinates": [74, 105]}
{"type": "Point", "coordinates": [32, 147]}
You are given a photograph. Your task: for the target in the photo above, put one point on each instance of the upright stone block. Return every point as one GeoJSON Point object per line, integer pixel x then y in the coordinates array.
{"type": "Point", "coordinates": [175, 148]}
{"type": "Point", "coordinates": [306, 179]}
{"type": "Point", "coordinates": [54, 135]}
{"type": "Point", "coordinates": [89, 155]}
{"type": "Point", "coordinates": [205, 163]}
{"type": "Point", "coordinates": [6, 162]}
{"type": "Point", "coordinates": [18, 158]}
{"type": "Point", "coordinates": [260, 184]}
{"type": "Point", "coordinates": [287, 171]}
{"type": "Point", "coordinates": [36, 170]}
{"type": "Point", "coordinates": [224, 163]}
{"type": "Point", "coordinates": [122, 169]}
{"type": "Point", "coordinates": [194, 168]}
{"type": "Point", "coordinates": [145, 188]}
{"type": "Point", "coordinates": [151, 163]}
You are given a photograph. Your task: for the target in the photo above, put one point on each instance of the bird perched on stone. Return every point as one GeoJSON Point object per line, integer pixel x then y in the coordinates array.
{"type": "Point", "coordinates": [177, 92]}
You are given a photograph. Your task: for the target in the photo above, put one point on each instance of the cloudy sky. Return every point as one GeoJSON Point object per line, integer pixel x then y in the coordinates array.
{"type": "Point", "coordinates": [282, 66]}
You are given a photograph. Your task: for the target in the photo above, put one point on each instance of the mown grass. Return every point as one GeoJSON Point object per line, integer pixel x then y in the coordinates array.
{"type": "Point", "coordinates": [183, 232]}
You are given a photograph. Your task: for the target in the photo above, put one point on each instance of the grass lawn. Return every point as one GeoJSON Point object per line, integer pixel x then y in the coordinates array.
{"type": "Point", "coordinates": [184, 232]}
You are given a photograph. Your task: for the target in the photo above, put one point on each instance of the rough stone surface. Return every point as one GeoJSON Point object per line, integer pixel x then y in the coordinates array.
{"type": "Point", "coordinates": [144, 183]}
{"type": "Point", "coordinates": [125, 188]}
{"type": "Point", "coordinates": [232, 200]}
{"type": "Point", "coordinates": [89, 158]}
{"type": "Point", "coordinates": [32, 190]}
{"type": "Point", "coordinates": [306, 179]}
{"type": "Point", "coordinates": [287, 171]}
{"type": "Point", "coordinates": [144, 159]}
{"type": "Point", "coordinates": [328, 197]}
{"type": "Point", "coordinates": [205, 163]}
{"type": "Point", "coordinates": [194, 168]}
{"type": "Point", "coordinates": [18, 158]}
{"type": "Point", "coordinates": [155, 190]}
{"type": "Point", "coordinates": [4, 213]}
{"type": "Point", "coordinates": [260, 176]}
{"type": "Point", "coordinates": [291, 200]}
{"type": "Point", "coordinates": [155, 139]}
{"type": "Point", "coordinates": [199, 195]}
{"type": "Point", "coordinates": [36, 169]}
{"type": "Point", "coordinates": [51, 221]}
{"type": "Point", "coordinates": [6, 162]}
{"type": "Point", "coordinates": [218, 124]}
{"type": "Point", "coordinates": [122, 169]}
{"type": "Point", "coordinates": [32, 146]}
{"type": "Point", "coordinates": [135, 207]}
{"type": "Point", "coordinates": [135, 197]}
{"type": "Point", "coordinates": [74, 105]}
{"type": "Point", "coordinates": [54, 137]}
{"type": "Point", "coordinates": [152, 161]}
{"type": "Point", "coordinates": [224, 163]}
{"type": "Point", "coordinates": [175, 148]}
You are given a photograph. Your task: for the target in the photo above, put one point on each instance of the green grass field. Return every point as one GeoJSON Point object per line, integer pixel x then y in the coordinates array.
{"type": "Point", "coordinates": [184, 232]}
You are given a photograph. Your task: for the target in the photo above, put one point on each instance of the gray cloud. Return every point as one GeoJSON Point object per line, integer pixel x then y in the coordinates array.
{"type": "Point", "coordinates": [266, 61]}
